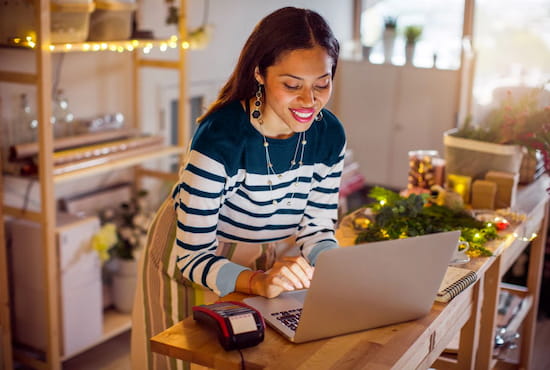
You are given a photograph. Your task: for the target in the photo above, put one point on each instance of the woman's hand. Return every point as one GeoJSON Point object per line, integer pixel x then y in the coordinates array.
{"type": "Point", "coordinates": [289, 273]}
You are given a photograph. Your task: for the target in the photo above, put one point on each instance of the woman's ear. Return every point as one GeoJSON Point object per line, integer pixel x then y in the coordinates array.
{"type": "Point", "coordinates": [258, 76]}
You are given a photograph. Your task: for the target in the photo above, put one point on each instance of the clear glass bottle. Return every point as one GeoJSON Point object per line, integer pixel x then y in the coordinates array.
{"type": "Point", "coordinates": [26, 124]}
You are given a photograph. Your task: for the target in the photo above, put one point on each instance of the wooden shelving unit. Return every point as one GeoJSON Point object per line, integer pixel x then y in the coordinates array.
{"type": "Point", "coordinates": [5, 321]}
{"type": "Point", "coordinates": [114, 322]}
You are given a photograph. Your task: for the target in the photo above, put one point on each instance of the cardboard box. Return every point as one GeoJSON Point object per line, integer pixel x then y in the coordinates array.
{"type": "Point", "coordinates": [507, 184]}
{"type": "Point", "coordinates": [484, 194]}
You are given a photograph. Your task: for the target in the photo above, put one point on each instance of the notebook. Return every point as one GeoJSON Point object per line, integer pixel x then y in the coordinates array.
{"type": "Point", "coordinates": [456, 279]}
{"type": "Point", "coordinates": [362, 287]}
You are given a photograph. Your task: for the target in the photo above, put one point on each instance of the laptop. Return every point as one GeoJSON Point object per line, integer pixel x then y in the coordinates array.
{"type": "Point", "coordinates": [362, 287]}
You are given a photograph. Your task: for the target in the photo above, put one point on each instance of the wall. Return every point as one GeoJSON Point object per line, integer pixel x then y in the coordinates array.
{"type": "Point", "coordinates": [388, 110]}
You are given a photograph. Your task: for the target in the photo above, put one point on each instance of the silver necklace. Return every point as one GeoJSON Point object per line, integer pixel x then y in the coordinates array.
{"type": "Point", "coordinates": [271, 171]}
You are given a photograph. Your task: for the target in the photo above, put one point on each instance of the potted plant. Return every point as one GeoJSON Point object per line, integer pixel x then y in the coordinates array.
{"type": "Point", "coordinates": [388, 37]}
{"type": "Point", "coordinates": [412, 35]}
{"type": "Point", "coordinates": [518, 125]}
{"type": "Point", "coordinates": [119, 241]}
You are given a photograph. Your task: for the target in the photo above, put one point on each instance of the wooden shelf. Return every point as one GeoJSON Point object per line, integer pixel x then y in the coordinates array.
{"type": "Point", "coordinates": [104, 165]}
{"type": "Point", "coordinates": [114, 323]}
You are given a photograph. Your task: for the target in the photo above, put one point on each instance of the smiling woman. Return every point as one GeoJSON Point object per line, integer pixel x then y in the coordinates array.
{"type": "Point", "coordinates": [257, 200]}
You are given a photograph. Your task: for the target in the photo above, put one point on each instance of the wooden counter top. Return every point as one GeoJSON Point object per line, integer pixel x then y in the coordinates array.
{"type": "Point", "coordinates": [414, 344]}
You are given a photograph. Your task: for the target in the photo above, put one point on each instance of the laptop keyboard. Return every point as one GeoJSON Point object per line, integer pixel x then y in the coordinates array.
{"type": "Point", "coordinates": [289, 318]}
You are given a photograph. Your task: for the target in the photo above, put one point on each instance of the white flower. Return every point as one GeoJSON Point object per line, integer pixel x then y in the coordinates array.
{"type": "Point", "coordinates": [125, 232]}
{"type": "Point", "coordinates": [141, 220]}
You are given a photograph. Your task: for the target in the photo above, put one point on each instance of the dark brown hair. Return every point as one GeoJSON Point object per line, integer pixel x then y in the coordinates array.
{"type": "Point", "coordinates": [280, 32]}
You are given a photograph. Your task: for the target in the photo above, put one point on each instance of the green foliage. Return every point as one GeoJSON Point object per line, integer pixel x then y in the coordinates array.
{"type": "Point", "coordinates": [413, 33]}
{"type": "Point", "coordinates": [517, 121]}
{"type": "Point", "coordinates": [390, 22]}
{"type": "Point", "coordinates": [399, 217]}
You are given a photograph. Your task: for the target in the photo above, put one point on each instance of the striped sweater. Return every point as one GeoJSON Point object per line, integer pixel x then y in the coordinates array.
{"type": "Point", "coordinates": [223, 194]}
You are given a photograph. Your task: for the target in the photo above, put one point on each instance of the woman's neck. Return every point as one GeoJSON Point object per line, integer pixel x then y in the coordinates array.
{"type": "Point", "coordinates": [273, 131]}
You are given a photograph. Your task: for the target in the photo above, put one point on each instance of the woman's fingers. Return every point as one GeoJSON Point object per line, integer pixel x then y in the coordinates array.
{"type": "Point", "coordinates": [296, 271]}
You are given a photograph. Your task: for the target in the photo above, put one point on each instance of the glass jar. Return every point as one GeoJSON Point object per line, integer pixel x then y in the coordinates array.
{"type": "Point", "coordinates": [423, 169]}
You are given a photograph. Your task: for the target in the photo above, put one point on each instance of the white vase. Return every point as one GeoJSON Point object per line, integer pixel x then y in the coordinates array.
{"type": "Point", "coordinates": [388, 39]}
{"type": "Point", "coordinates": [124, 285]}
{"type": "Point", "coordinates": [409, 53]}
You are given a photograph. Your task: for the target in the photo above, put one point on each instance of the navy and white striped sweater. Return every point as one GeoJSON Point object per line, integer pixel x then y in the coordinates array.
{"type": "Point", "coordinates": [224, 195]}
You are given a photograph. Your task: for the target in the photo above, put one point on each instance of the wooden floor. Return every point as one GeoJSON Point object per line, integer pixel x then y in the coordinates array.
{"type": "Point", "coordinates": [115, 354]}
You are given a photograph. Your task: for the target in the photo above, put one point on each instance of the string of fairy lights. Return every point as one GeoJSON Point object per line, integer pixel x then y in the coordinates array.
{"type": "Point", "coordinates": [147, 46]}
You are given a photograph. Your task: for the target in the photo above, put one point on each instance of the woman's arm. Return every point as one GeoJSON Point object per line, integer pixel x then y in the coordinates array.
{"type": "Point", "coordinates": [316, 230]}
{"type": "Point", "coordinates": [197, 198]}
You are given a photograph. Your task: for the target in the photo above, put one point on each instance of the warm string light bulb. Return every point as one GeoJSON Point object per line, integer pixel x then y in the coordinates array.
{"type": "Point", "coordinates": [524, 238]}
{"type": "Point", "coordinates": [117, 46]}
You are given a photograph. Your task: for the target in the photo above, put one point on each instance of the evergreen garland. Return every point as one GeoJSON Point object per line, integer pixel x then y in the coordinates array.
{"type": "Point", "coordinates": [399, 217]}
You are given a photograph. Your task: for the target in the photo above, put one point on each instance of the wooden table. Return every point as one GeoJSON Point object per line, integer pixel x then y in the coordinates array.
{"type": "Point", "coordinates": [415, 344]}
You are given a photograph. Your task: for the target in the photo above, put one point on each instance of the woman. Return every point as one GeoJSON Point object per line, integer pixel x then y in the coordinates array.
{"type": "Point", "coordinates": [257, 199]}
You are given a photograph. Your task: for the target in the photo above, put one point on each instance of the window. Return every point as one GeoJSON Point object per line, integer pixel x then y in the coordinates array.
{"type": "Point", "coordinates": [512, 44]}
{"type": "Point", "coordinates": [440, 43]}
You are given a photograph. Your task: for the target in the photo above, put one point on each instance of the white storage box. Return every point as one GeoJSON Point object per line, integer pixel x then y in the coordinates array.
{"type": "Point", "coordinates": [475, 158]}
{"type": "Point", "coordinates": [111, 20]}
{"type": "Point", "coordinates": [69, 20]}
{"type": "Point", "coordinates": [81, 306]}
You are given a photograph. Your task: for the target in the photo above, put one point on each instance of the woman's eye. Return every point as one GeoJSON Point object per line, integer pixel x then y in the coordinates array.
{"type": "Point", "coordinates": [322, 87]}
{"type": "Point", "coordinates": [292, 87]}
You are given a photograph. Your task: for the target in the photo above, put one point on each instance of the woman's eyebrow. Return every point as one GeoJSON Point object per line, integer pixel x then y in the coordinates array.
{"type": "Point", "coordinates": [300, 78]}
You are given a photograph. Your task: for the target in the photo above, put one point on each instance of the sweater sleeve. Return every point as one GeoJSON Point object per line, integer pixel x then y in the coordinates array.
{"type": "Point", "coordinates": [316, 230]}
{"type": "Point", "coordinates": [197, 199]}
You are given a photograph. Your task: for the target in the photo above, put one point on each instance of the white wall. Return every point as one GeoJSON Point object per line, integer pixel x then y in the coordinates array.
{"type": "Point", "coordinates": [388, 110]}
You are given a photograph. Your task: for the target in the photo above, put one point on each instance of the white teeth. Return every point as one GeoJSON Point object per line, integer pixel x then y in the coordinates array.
{"type": "Point", "coordinates": [302, 115]}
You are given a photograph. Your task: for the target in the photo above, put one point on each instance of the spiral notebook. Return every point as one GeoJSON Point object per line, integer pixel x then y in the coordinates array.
{"type": "Point", "coordinates": [455, 281]}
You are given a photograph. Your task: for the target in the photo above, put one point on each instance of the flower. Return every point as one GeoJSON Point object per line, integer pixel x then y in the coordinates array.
{"type": "Point", "coordinates": [104, 240]}
{"type": "Point", "coordinates": [516, 121]}
{"type": "Point", "coordinates": [124, 229]}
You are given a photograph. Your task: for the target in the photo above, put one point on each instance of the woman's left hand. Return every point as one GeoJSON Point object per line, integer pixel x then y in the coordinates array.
{"type": "Point", "coordinates": [292, 273]}
{"type": "Point", "coordinates": [289, 273]}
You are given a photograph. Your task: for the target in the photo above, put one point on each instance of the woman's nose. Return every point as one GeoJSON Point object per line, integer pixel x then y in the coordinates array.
{"type": "Point", "coordinates": [307, 98]}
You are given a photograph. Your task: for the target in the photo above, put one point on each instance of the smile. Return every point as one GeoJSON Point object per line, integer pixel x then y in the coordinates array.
{"type": "Point", "coordinates": [302, 115]}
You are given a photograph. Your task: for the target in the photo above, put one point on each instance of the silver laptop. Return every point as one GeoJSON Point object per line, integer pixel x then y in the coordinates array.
{"type": "Point", "coordinates": [363, 287]}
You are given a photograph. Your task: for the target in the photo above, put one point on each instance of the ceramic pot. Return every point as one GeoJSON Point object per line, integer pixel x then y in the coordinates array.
{"type": "Point", "coordinates": [409, 53]}
{"type": "Point", "coordinates": [388, 39]}
{"type": "Point", "coordinates": [124, 285]}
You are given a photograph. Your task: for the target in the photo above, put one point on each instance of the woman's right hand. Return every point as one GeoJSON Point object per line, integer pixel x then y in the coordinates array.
{"type": "Point", "coordinates": [289, 273]}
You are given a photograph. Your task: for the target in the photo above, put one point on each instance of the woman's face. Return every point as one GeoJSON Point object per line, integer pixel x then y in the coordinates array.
{"type": "Point", "coordinates": [297, 86]}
